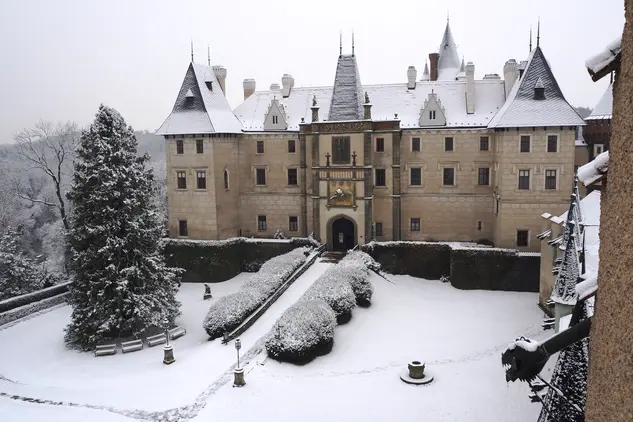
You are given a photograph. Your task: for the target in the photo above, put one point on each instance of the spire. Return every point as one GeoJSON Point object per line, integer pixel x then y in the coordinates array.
{"type": "Point", "coordinates": [208, 55]}
{"type": "Point", "coordinates": [340, 44]}
{"type": "Point", "coordinates": [425, 75]}
{"type": "Point", "coordinates": [530, 38]}
{"type": "Point", "coordinates": [192, 51]}
{"type": "Point", "coordinates": [448, 63]}
{"type": "Point", "coordinates": [462, 68]}
{"type": "Point", "coordinates": [352, 42]}
{"type": "Point", "coordinates": [538, 32]}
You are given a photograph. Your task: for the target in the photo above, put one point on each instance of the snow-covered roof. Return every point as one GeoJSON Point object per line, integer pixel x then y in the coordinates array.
{"type": "Point", "coordinates": [604, 108]}
{"type": "Point", "coordinates": [386, 100]}
{"type": "Point", "coordinates": [602, 63]}
{"type": "Point", "coordinates": [594, 170]}
{"type": "Point", "coordinates": [347, 92]}
{"type": "Point", "coordinates": [201, 106]}
{"type": "Point", "coordinates": [448, 65]}
{"type": "Point", "coordinates": [522, 110]}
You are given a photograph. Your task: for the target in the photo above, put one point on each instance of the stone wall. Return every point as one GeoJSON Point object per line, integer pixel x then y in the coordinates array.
{"type": "Point", "coordinates": [215, 261]}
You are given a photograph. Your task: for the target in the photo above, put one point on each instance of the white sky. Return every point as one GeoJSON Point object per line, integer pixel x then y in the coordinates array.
{"type": "Point", "coordinates": [60, 59]}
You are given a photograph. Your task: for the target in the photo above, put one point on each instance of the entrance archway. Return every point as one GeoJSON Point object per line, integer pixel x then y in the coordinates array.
{"type": "Point", "coordinates": [342, 233]}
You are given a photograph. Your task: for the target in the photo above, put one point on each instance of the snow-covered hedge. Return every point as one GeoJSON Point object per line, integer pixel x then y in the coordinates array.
{"type": "Point", "coordinates": [229, 311]}
{"type": "Point", "coordinates": [304, 331]}
{"type": "Point", "coordinates": [31, 308]}
{"type": "Point", "coordinates": [335, 290]}
{"type": "Point", "coordinates": [355, 269]}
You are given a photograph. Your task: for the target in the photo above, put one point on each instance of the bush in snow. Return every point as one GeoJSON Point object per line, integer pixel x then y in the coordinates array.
{"type": "Point", "coordinates": [357, 275]}
{"type": "Point", "coordinates": [19, 274]}
{"type": "Point", "coordinates": [229, 311]}
{"type": "Point", "coordinates": [304, 331]}
{"type": "Point", "coordinates": [332, 288]}
{"type": "Point", "coordinates": [121, 286]}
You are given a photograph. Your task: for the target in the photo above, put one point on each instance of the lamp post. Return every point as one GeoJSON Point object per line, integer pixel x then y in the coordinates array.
{"type": "Point", "coordinates": [238, 380]}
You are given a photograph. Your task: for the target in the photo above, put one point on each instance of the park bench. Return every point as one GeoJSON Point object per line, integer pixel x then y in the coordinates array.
{"type": "Point", "coordinates": [177, 332]}
{"type": "Point", "coordinates": [156, 340]}
{"type": "Point", "coordinates": [105, 350]}
{"type": "Point", "coordinates": [131, 346]}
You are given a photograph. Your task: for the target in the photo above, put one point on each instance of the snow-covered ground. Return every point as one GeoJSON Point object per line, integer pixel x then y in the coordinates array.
{"type": "Point", "coordinates": [460, 335]}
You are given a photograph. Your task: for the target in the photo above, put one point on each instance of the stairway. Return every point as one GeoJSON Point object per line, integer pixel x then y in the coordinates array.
{"type": "Point", "coordinates": [332, 257]}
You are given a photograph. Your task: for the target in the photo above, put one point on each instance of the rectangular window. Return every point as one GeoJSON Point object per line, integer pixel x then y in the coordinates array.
{"type": "Point", "coordinates": [415, 224]}
{"type": "Point", "coordinates": [261, 223]}
{"type": "Point", "coordinates": [260, 147]}
{"type": "Point", "coordinates": [378, 229]}
{"type": "Point", "coordinates": [292, 148]}
{"type": "Point", "coordinates": [380, 144]}
{"type": "Point", "coordinates": [448, 144]}
{"type": "Point", "coordinates": [484, 176]}
{"type": "Point", "coordinates": [182, 228]}
{"type": "Point", "coordinates": [448, 178]}
{"type": "Point", "coordinates": [484, 143]}
{"type": "Point", "coordinates": [260, 177]}
{"type": "Point", "coordinates": [275, 120]}
{"type": "Point", "coordinates": [415, 144]}
{"type": "Point", "coordinates": [431, 114]}
{"type": "Point", "coordinates": [199, 146]}
{"type": "Point", "coordinates": [181, 177]}
{"type": "Point", "coordinates": [550, 179]}
{"type": "Point", "coordinates": [552, 143]}
{"type": "Point", "coordinates": [202, 179]}
{"type": "Point", "coordinates": [522, 237]}
{"type": "Point", "coordinates": [293, 223]}
{"type": "Point", "coordinates": [416, 176]}
{"type": "Point", "coordinates": [480, 225]}
{"type": "Point", "coordinates": [180, 148]}
{"type": "Point", "coordinates": [340, 150]}
{"type": "Point", "coordinates": [598, 149]}
{"type": "Point", "coordinates": [292, 177]}
{"type": "Point", "coordinates": [525, 143]}
{"type": "Point", "coordinates": [381, 177]}
{"type": "Point", "coordinates": [524, 179]}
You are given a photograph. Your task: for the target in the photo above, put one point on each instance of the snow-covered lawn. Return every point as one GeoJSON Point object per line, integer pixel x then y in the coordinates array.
{"type": "Point", "coordinates": [460, 335]}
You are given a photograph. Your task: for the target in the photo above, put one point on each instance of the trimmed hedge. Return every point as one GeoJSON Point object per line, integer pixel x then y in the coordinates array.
{"type": "Point", "coordinates": [31, 308]}
{"type": "Point", "coordinates": [332, 288]}
{"type": "Point", "coordinates": [214, 261]}
{"type": "Point", "coordinates": [355, 269]}
{"type": "Point", "coordinates": [494, 269]}
{"type": "Point", "coordinates": [418, 259]}
{"type": "Point", "coordinates": [304, 331]}
{"type": "Point", "coordinates": [22, 300]}
{"type": "Point", "coordinates": [229, 311]}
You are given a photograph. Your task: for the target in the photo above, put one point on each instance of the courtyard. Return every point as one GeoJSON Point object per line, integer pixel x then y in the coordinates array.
{"type": "Point", "coordinates": [459, 334]}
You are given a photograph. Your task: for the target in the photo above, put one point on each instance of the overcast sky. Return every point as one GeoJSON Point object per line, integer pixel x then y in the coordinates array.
{"type": "Point", "coordinates": [60, 59]}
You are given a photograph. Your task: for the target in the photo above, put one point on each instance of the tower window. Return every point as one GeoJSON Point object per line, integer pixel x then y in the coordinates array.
{"type": "Point", "coordinates": [199, 146]}
{"type": "Point", "coordinates": [448, 143]}
{"type": "Point", "coordinates": [181, 178]}
{"type": "Point", "coordinates": [260, 147]}
{"type": "Point", "coordinates": [380, 144]}
{"type": "Point", "coordinates": [180, 148]}
{"type": "Point", "coordinates": [341, 150]}
{"type": "Point", "coordinates": [525, 143]}
{"type": "Point", "coordinates": [552, 143]}
{"type": "Point", "coordinates": [484, 143]}
{"type": "Point", "coordinates": [292, 148]}
{"type": "Point", "coordinates": [415, 144]}
{"type": "Point", "coordinates": [381, 177]}
{"type": "Point", "coordinates": [202, 179]}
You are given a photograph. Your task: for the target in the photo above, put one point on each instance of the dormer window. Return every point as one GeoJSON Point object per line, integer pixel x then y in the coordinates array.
{"type": "Point", "coordinates": [539, 90]}
{"type": "Point", "coordinates": [432, 115]}
{"type": "Point", "coordinates": [189, 97]}
{"type": "Point", "coordinates": [209, 85]}
{"type": "Point", "coordinates": [275, 120]}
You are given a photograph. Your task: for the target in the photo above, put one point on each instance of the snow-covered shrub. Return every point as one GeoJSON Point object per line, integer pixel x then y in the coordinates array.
{"type": "Point", "coordinates": [229, 311]}
{"type": "Point", "coordinates": [279, 234]}
{"type": "Point", "coordinates": [304, 331]}
{"type": "Point", "coordinates": [355, 268]}
{"type": "Point", "coordinates": [336, 291]}
{"type": "Point", "coordinates": [364, 257]}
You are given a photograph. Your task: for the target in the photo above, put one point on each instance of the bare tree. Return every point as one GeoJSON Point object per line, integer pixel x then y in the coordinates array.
{"type": "Point", "coordinates": [48, 148]}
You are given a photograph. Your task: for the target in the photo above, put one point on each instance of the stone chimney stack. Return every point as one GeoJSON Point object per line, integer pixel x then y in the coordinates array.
{"type": "Point", "coordinates": [220, 73]}
{"type": "Point", "coordinates": [510, 74]}
{"type": "Point", "coordinates": [287, 82]}
{"type": "Point", "coordinates": [434, 58]}
{"type": "Point", "coordinates": [412, 75]}
{"type": "Point", "coordinates": [470, 88]}
{"type": "Point", "coordinates": [249, 87]}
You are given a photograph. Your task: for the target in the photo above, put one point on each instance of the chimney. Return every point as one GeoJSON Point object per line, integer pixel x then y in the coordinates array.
{"type": "Point", "coordinates": [249, 87]}
{"type": "Point", "coordinates": [470, 88]}
{"type": "Point", "coordinates": [434, 58]}
{"type": "Point", "coordinates": [510, 75]}
{"type": "Point", "coordinates": [412, 75]}
{"type": "Point", "coordinates": [220, 73]}
{"type": "Point", "coordinates": [287, 82]}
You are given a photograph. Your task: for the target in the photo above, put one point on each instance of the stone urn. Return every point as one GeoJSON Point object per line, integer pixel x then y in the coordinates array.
{"type": "Point", "coordinates": [416, 370]}
{"type": "Point", "coordinates": [238, 377]}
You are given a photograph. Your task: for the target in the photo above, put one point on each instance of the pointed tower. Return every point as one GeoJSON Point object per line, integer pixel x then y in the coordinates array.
{"type": "Point", "coordinates": [347, 93]}
{"type": "Point", "coordinates": [426, 76]}
{"type": "Point", "coordinates": [448, 64]}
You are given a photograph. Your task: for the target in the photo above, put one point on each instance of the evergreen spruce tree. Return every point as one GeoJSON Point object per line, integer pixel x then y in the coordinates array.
{"type": "Point", "coordinates": [121, 284]}
{"type": "Point", "coordinates": [18, 273]}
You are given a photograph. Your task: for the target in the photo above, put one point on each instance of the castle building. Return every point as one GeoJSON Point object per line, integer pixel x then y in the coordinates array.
{"type": "Point", "coordinates": [442, 157]}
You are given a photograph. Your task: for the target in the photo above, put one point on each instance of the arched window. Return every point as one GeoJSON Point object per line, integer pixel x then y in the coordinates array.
{"type": "Point", "coordinates": [226, 179]}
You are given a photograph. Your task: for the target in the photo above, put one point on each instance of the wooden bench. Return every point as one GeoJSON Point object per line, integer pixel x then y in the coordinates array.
{"type": "Point", "coordinates": [131, 346]}
{"type": "Point", "coordinates": [105, 349]}
{"type": "Point", "coordinates": [176, 332]}
{"type": "Point", "coordinates": [156, 340]}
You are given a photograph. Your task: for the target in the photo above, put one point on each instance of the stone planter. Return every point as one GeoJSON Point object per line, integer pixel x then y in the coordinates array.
{"type": "Point", "coordinates": [169, 355]}
{"type": "Point", "coordinates": [416, 370]}
{"type": "Point", "coordinates": [415, 374]}
{"type": "Point", "coordinates": [238, 380]}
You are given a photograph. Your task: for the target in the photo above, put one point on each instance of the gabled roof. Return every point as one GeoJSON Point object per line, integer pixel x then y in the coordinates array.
{"type": "Point", "coordinates": [347, 93]}
{"type": "Point", "coordinates": [604, 108]}
{"type": "Point", "coordinates": [201, 106]}
{"type": "Point", "coordinates": [522, 110]}
{"type": "Point", "coordinates": [448, 63]}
